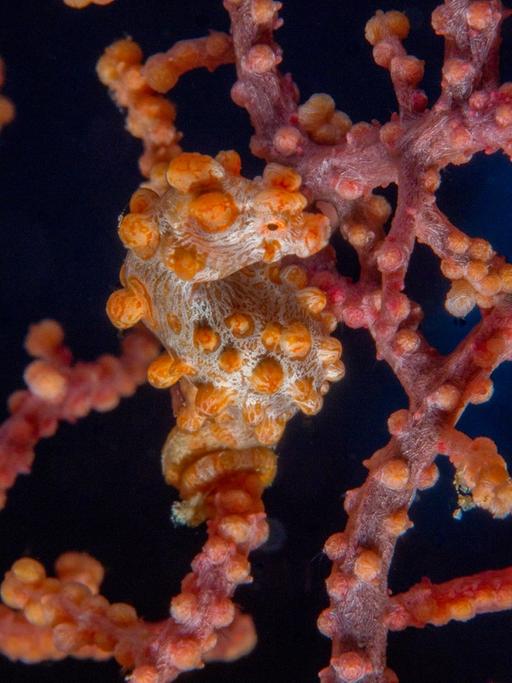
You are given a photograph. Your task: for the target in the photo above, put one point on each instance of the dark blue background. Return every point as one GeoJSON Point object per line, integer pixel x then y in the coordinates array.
{"type": "Point", "coordinates": [67, 169]}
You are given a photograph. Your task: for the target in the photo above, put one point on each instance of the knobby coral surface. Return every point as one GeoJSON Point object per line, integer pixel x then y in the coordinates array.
{"type": "Point", "coordinates": [234, 277]}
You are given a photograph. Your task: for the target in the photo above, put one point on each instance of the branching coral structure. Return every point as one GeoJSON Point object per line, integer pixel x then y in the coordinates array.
{"type": "Point", "coordinates": [233, 298]}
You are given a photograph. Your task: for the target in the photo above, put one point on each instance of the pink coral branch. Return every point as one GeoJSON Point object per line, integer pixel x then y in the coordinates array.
{"type": "Point", "coordinates": [470, 116]}
{"type": "Point", "coordinates": [53, 618]}
{"type": "Point", "coordinates": [58, 390]}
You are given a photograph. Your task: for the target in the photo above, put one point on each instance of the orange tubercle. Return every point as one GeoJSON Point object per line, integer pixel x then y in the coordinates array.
{"type": "Point", "coordinates": [296, 340]}
{"type": "Point", "coordinates": [230, 360]}
{"type": "Point", "coordinates": [267, 376]}
{"type": "Point", "coordinates": [191, 170]}
{"type": "Point", "coordinates": [124, 309]}
{"type": "Point", "coordinates": [214, 211]}
{"type": "Point", "coordinates": [186, 262]}
{"type": "Point", "coordinates": [140, 233]}
{"type": "Point", "coordinates": [166, 370]}
{"type": "Point", "coordinates": [240, 324]}
{"type": "Point", "coordinates": [206, 339]}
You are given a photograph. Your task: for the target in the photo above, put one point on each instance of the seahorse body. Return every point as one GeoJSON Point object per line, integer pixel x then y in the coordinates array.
{"type": "Point", "coordinates": [247, 341]}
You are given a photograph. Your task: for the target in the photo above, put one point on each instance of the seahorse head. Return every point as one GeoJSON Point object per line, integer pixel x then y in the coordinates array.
{"type": "Point", "coordinates": [211, 221]}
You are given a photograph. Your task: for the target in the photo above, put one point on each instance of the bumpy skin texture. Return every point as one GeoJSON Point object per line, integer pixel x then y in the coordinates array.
{"type": "Point", "coordinates": [247, 340]}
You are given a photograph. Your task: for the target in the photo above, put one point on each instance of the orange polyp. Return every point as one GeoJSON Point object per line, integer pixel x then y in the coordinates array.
{"type": "Point", "coordinates": [142, 200]}
{"type": "Point", "coordinates": [269, 430]}
{"type": "Point", "coordinates": [161, 73]}
{"type": "Point", "coordinates": [215, 211]}
{"type": "Point", "coordinates": [296, 340]}
{"type": "Point", "coordinates": [490, 285]}
{"type": "Point", "coordinates": [394, 474]}
{"type": "Point", "coordinates": [165, 371]}
{"type": "Point", "coordinates": [235, 528]}
{"type": "Point", "coordinates": [186, 262]}
{"type": "Point", "coordinates": [185, 54]}
{"type": "Point", "coordinates": [240, 324]}
{"type": "Point", "coordinates": [505, 273]}
{"type": "Point", "coordinates": [271, 250]}
{"type": "Point", "coordinates": [139, 232]}
{"type": "Point", "coordinates": [189, 419]}
{"type": "Point", "coordinates": [406, 341]}
{"type": "Point", "coordinates": [45, 381]}
{"type": "Point", "coordinates": [185, 654]}
{"type": "Point", "coordinates": [121, 614]}
{"type": "Point", "coordinates": [351, 666]}
{"type": "Point", "coordinates": [28, 571]}
{"type": "Point", "coordinates": [174, 322]}
{"type": "Point", "coordinates": [77, 4]}
{"type": "Point", "coordinates": [267, 376]}
{"type": "Point", "coordinates": [329, 350]}
{"type": "Point", "coordinates": [280, 200]}
{"type": "Point", "coordinates": [191, 170]}
{"type": "Point", "coordinates": [397, 522]}
{"type": "Point", "coordinates": [152, 107]}
{"type": "Point", "coordinates": [184, 607]}
{"type": "Point", "coordinates": [230, 161]}
{"type": "Point", "coordinates": [282, 176]}
{"type": "Point", "coordinates": [212, 400]}
{"type": "Point", "coordinates": [458, 242]}
{"type": "Point", "coordinates": [43, 338]}
{"type": "Point", "coordinates": [206, 339]}
{"type": "Point", "coordinates": [295, 276]}
{"type": "Point", "coordinates": [367, 565]}
{"type": "Point", "coordinates": [315, 231]}
{"type": "Point", "coordinates": [476, 271]}
{"type": "Point", "coordinates": [125, 308]}
{"type": "Point", "coordinates": [306, 397]}
{"type": "Point", "coordinates": [460, 299]}
{"type": "Point", "coordinates": [144, 674]}
{"type": "Point", "coordinates": [359, 236]}
{"type": "Point", "coordinates": [80, 568]}
{"type": "Point", "coordinates": [480, 250]}
{"type": "Point", "coordinates": [386, 24]}
{"type": "Point", "coordinates": [7, 111]}
{"type": "Point", "coordinates": [316, 111]}
{"type": "Point", "coordinates": [318, 117]}
{"type": "Point", "coordinates": [312, 299]}
{"type": "Point", "coordinates": [230, 360]}
{"type": "Point", "coordinates": [253, 413]}
{"type": "Point", "coordinates": [271, 335]}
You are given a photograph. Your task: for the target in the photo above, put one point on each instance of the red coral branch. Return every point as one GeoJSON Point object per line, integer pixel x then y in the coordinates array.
{"type": "Point", "coordinates": [460, 599]}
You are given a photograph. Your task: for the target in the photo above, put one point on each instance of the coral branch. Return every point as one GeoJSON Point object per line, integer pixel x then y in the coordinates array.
{"type": "Point", "coordinates": [58, 390]}
{"type": "Point", "coordinates": [459, 599]}
{"type": "Point", "coordinates": [139, 89]}
{"type": "Point", "coordinates": [53, 618]}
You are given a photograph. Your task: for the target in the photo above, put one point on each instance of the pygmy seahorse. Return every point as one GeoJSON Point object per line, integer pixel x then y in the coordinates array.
{"type": "Point", "coordinates": [247, 341]}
